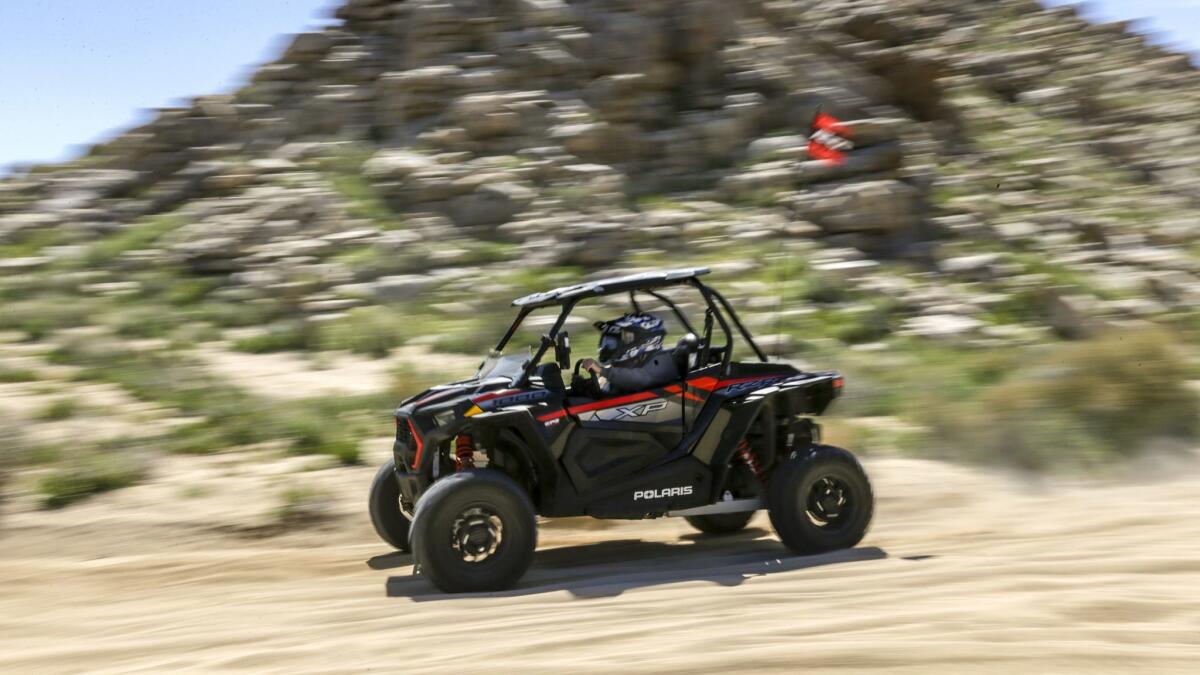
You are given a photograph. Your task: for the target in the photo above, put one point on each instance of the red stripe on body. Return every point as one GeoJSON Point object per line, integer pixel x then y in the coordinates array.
{"type": "Point", "coordinates": [704, 383]}
{"type": "Point", "coordinates": [420, 443]}
{"type": "Point", "coordinates": [676, 389]}
{"type": "Point", "coordinates": [599, 405]}
{"type": "Point", "coordinates": [496, 394]}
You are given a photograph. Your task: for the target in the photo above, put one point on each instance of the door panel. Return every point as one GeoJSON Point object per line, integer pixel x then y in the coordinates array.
{"type": "Point", "coordinates": [598, 457]}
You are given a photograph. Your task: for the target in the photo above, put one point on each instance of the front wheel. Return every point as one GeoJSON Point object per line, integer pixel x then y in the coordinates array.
{"type": "Point", "coordinates": [820, 500]}
{"type": "Point", "coordinates": [474, 531]}
{"type": "Point", "coordinates": [384, 505]}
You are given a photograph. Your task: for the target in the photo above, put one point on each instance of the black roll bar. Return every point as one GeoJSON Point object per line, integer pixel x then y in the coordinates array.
{"type": "Point", "coordinates": [727, 357]}
{"type": "Point", "coordinates": [741, 329]}
{"type": "Point", "coordinates": [512, 328]}
{"type": "Point", "coordinates": [713, 299]}
{"type": "Point", "coordinates": [547, 340]}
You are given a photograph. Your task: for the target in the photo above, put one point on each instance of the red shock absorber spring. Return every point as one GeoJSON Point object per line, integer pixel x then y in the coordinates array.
{"type": "Point", "coordinates": [464, 452]}
{"type": "Point", "coordinates": [746, 454]}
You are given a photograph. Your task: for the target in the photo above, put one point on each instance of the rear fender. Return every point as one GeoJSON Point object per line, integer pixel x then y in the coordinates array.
{"type": "Point", "coordinates": [804, 394]}
{"type": "Point", "coordinates": [742, 415]}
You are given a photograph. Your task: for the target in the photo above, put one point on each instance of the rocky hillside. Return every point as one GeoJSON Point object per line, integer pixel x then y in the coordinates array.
{"type": "Point", "coordinates": [1019, 176]}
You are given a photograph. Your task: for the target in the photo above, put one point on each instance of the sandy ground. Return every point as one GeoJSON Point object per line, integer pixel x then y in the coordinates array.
{"type": "Point", "coordinates": [964, 571]}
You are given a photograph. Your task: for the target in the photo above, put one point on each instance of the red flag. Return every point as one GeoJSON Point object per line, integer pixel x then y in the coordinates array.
{"type": "Point", "coordinates": [829, 140]}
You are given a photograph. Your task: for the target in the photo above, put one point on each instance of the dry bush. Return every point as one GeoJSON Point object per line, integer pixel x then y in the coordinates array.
{"type": "Point", "coordinates": [1077, 403]}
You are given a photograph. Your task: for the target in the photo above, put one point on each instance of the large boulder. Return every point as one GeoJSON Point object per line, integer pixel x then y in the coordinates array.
{"type": "Point", "coordinates": [881, 206]}
{"type": "Point", "coordinates": [489, 205]}
{"type": "Point", "coordinates": [307, 47]}
{"type": "Point", "coordinates": [396, 165]}
{"type": "Point", "coordinates": [411, 94]}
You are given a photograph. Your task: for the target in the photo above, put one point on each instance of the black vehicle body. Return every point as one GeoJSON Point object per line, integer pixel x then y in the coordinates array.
{"type": "Point", "coordinates": [665, 451]}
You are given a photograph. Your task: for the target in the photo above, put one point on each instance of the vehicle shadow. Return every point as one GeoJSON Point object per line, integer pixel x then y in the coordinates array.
{"type": "Point", "coordinates": [389, 561]}
{"type": "Point", "coordinates": [608, 569]}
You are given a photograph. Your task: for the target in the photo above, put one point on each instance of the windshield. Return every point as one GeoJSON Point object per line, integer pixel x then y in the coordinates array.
{"type": "Point", "coordinates": [509, 366]}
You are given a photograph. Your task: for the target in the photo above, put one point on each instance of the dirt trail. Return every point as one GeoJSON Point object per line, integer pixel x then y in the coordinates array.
{"type": "Point", "coordinates": [964, 571]}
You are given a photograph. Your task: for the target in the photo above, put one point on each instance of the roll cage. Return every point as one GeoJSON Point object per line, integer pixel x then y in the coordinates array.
{"type": "Point", "coordinates": [718, 311]}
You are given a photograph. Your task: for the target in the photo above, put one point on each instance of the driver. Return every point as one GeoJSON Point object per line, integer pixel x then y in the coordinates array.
{"type": "Point", "coordinates": [631, 356]}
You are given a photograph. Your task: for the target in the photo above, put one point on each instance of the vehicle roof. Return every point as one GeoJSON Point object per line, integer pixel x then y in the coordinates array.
{"type": "Point", "coordinates": [631, 282]}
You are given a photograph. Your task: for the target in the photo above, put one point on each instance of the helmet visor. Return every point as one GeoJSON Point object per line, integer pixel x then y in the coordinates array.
{"type": "Point", "coordinates": [609, 345]}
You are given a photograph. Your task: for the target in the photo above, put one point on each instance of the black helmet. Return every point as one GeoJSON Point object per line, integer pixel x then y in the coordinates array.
{"type": "Point", "coordinates": [627, 340]}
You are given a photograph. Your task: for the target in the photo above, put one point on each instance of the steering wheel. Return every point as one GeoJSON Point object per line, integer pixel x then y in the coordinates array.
{"type": "Point", "coordinates": [580, 385]}
{"type": "Point", "coordinates": [575, 374]}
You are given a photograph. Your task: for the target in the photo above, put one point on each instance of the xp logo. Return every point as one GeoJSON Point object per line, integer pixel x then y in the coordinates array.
{"type": "Point", "coordinates": [642, 410]}
{"type": "Point", "coordinates": [681, 491]}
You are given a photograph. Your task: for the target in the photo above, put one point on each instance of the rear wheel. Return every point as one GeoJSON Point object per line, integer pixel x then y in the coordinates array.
{"type": "Point", "coordinates": [474, 531]}
{"type": "Point", "coordinates": [384, 505]}
{"type": "Point", "coordinates": [820, 500]}
{"type": "Point", "coordinates": [720, 523]}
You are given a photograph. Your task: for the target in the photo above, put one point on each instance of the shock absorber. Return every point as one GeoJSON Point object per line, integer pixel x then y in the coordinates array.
{"type": "Point", "coordinates": [464, 452]}
{"type": "Point", "coordinates": [747, 455]}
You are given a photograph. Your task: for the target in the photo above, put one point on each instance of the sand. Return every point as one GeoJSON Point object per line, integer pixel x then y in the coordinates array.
{"type": "Point", "coordinates": [964, 571]}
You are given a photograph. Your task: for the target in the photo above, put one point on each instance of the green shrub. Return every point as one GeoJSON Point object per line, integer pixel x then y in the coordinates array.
{"type": "Point", "coordinates": [143, 322]}
{"type": "Point", "coordinates": [826, 289]}
{"type": "Point", "coordinates": [344, 172]}
{"type": "Point", "coordinates": [319, 435]}
{"type": "Point", "coordinates": [10, 375]}
{"type": "Point", "coordinates": [1075, 403]}
{"type": "Point", "coordinates": [862, 327]}
{"type": "Point", "coordinates": [61, 409]}
{"type": "Point", "coordinates": [32, 243]}
{"type": "Point", "coordinates": [227, 416]}
{"type": "Point", "coordinates": [228, 314]}
{"type": "Point", "coordinates": [301, 506]}
{"type": "Point", "coordinates": [366, 330]}
{"type": "Point", "coordinates": [406, 381]}
{"type": "Point", "coordinates": [186, 291]}
{"type": "Point", "coordinates": [40, 316]}
{"type": "Point", "coordinates": [289, 336]}
{"type": "Point", "coordinates": [141, 234]}
{"type": "Point", "coordinates": [92, 475]}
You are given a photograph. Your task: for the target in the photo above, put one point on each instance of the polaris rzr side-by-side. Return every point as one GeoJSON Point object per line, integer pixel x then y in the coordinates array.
{"type": "Point", "coordinates": [476, 462]}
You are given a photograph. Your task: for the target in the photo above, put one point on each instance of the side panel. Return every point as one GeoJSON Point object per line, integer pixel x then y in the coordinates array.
{"type": "Point", "coordinates": [600, 457]}
{"type": "Point", "coordinates": [683, 483]}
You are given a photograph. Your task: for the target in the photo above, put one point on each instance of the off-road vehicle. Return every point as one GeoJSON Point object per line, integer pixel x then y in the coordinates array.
{"type": "Point", "coordinates": [476, 462]}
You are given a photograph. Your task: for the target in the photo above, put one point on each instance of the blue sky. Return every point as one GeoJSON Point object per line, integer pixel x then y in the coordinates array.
{"type": "Point", "coordinates": [75, 71]}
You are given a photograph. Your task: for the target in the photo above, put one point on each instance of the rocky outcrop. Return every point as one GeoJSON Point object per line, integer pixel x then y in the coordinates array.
{"type": "Point", "coordinates": [420, 134]}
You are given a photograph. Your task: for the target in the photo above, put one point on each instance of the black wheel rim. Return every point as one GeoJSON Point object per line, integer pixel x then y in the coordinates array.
{"type": "Point", "coordinates": [477, 534]}
{"type": "Point", "coordinates": [829, 503]}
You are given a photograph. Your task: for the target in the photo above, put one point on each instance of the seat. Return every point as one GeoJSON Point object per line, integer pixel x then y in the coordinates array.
{"type": "Point", "coordinates": [550, 376]}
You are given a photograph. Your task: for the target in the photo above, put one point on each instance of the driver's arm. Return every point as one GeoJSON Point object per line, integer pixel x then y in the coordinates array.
{"type": "Point", "coordinates": [614, 380]}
